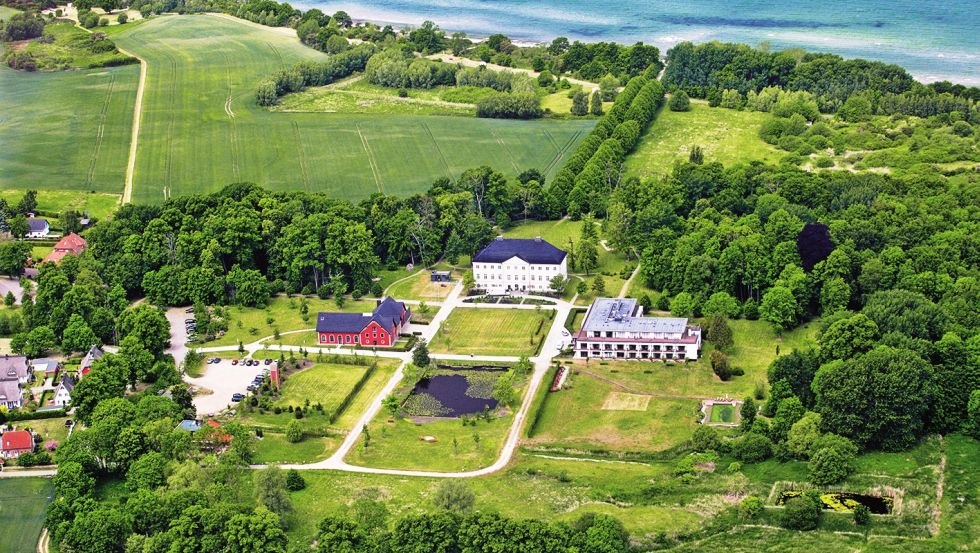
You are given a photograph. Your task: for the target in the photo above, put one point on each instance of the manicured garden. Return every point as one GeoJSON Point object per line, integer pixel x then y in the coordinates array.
{"type": "Point", "coordinates": [506, 332]}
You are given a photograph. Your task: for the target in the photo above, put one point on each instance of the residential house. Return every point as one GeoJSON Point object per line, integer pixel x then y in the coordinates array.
{"type": "Point", "coordinates": [37, 227]}
{"type": "Point", "coordinates": [514, 265]}
{"type": "Point", "coordinates": [62, 394]}
{"type": "Point", "coordinates": [11, 395]}
{"type": "Point", "coordinates": [46, 364]}
{"type": "Point", "coordinates": [13, 443]}
{"type": "Point", "coordinates": [14, 367]}
{"type": "Point", "coordinates": [94, 353]}
{"type": "Point", "coordinates": [615, 328]}
{"type": "Point", "coordinates": [72, 244]}
{"type": "Point", "coordinates": [378, 328]}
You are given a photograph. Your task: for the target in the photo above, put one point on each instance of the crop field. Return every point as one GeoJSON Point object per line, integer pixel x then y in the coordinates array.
{"type": "Point", "coordinates": [22, 505]}
{"type": "Point", "coordinates": [725, 135]}
{"type": "Point", "coordinates": [201, 128]}
{"type": "Point", "coordinates": [490, 332]}
{"type": "Point", "coordinates": [66, 131]}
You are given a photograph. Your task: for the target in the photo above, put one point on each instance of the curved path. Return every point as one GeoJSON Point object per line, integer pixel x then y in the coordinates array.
{"type": "Point", "coordinates": [541, 363]}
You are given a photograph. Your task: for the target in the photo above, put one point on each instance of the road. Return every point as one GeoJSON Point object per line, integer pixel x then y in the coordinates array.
{"type": "Point", "coordinates": [541, 363]}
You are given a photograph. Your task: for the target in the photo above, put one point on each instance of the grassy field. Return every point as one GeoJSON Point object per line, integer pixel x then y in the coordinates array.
{"type": "Point", "coordinates": [421, 287]}
{"type": "Point", "coordinates": [274, 448]}
{"type": "Point", "coordinates": [397, 444]}
{"type": "Point", "coordinates": [248, 324]}
{"type": "Point", "coordinates": [724, 135]}
{"type": "Point", "coordinates": [202, 130]}
{"type": "Point", "coordinates": [49, 429]}
{"type": "Point", "coordinates": [66, 132]}
{"type": "Point", "coordinates": [6, 13]}
{"type": "Point", "coordinates": [97, 204]}
{"type": "Point", "coordinates": [22, 505]}
{"type": "Point", "coordinates": [355, 95]}
{"type": "Point", "coordinates": [490, 332]}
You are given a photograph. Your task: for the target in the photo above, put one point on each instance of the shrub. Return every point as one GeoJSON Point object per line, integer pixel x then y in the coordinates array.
{"type": "Point", "coordinates": [705, 438]}
{"type": "Point", "coordinates": [719, 364]}
{"type": "Point", "coordinates": [294, 432]}
{"type": "Point", "coordinates": [801, 513]}
{"type": "Point", "coordinates": [750, 507]}
{"type": "Point", "coordinates": [454, 495]}
{"type": "Point", "coordinates": [862, 515]}
{"type": "Point", "coordinates": [752, 448]}
{"type": "Point", "coordinates": [122, 19]}
{"type": "Point", "coordinates": [829, 465]}
{"type": "Point", "coordinates": [294, 480]}
{"type": "Point", "coordinates": [679, 101]}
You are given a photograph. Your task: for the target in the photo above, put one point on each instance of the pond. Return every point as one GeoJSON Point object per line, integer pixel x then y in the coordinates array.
{"type": "Point", "coordinates": [451, 395]}
{"type": "Point", "coordinates": [845, 502]}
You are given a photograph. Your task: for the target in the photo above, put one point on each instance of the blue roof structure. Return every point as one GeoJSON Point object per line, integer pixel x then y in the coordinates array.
{"type": "Point", "coordinates": [189, 425]}
{"type": "Point", "coordinates": [532, 250]}
{"type": "Point", "coordinates": [387, 312]}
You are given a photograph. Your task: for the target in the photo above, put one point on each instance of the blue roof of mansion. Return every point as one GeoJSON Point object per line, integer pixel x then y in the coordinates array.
{"type": "Point", "coordinates": [532, 250]}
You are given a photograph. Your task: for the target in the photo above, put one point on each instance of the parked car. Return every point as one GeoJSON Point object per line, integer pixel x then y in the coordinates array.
{"type": "Point", "coordinates": [564, 332]}
{"type": "Point", "coordinates": [236, 397]}
{"type": "Point", "coordinates": [234, 361]}
{"type": "Point", "coordinates": [189, 310]}
{"type": "Point", "coordinates": [268, 361]}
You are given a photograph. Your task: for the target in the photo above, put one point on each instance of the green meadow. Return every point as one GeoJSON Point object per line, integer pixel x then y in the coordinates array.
{"type": "Point", "coordinates": [22, 505]}
{"type": "Point", "coordinates": [201, 128]}
{"type": "Point", "coordinates": [725, 135]}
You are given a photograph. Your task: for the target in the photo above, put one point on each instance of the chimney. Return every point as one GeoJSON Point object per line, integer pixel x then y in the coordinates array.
{"type": "Point", "coordinates": [537, 238]}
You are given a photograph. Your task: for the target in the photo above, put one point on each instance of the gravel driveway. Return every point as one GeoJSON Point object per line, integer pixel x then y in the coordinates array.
{"type": "Point", "coordinates": [11, 285]}
{"type": "Point", "coordinates": [178, 333]}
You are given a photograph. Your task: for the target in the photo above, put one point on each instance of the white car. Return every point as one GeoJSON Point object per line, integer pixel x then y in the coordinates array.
{"type": "Point", "coordinates": [564, 332]}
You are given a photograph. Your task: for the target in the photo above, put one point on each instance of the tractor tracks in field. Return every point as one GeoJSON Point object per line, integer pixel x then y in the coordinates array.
{"type": "Point", "coordinates": [100, 132]}
{"type": "Point", "coordinates": [371, 161]}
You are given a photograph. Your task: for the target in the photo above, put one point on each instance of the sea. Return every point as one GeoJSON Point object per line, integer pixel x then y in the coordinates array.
{"type": "Point", "coordinates": [933, 40]}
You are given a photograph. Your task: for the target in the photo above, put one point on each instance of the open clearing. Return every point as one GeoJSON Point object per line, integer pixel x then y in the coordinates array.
{"type": "Point", "coordinates": [66, 131]}
{"type": "Point", "coordinates": [724, 135]}
{"type": "Point", "coordinates": [22, 505]}
{"type": "Point", "coordinates": [201, 128]}
{"type": "Point", "coordinates": [490, 332]}
{"type": "Point", "coordinates": [324, 383]}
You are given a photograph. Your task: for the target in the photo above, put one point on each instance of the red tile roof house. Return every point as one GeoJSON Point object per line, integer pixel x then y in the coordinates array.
{"type": "Point", "coordinates": [15, 442]}
{"type": "Point", "coordinates": [72, 244]}
{"type": "Point", "coordinates": [378, 328]}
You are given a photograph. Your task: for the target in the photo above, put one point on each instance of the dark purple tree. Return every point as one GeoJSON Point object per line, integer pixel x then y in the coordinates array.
{"type": "Point", "coordinates": [814, 244]}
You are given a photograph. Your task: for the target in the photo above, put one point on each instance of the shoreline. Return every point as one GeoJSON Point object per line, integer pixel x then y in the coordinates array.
{"type": "Point", "coordinates": [928, 65]}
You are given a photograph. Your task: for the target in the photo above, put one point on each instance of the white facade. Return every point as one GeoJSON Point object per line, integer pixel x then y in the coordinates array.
{"type": "Point", "coordinates": [517, 275]}
{"type": "Point", "coordinates": [62, 396]}
{"type": "Point", "coordinates": [615, 328]}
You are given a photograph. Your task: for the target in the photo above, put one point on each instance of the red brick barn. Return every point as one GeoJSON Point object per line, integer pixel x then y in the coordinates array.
{"type": "Point", "coordinates": [378, 328]}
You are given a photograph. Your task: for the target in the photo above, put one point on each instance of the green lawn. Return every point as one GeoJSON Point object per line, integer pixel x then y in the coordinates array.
{"type": "Point", "coordinates": [421, 287]}
{"type": "Point", "coordinates": [324, 383]}
{"type": "Point", "coordinates": [724, 135]}
{"type": "Point", "coordinates": [49, 429]}
{"type": "Point", "coordinates": [274, 448]}
{"type": "Point", "coordinates": [396, 444]}
{"type": "Point", "coordinates": [66, 132]}
{"type": "Point", "coordinates": [6, 13]}
{"type": "Point", "coordinates": [201, 128]}
{"type": "Point", "coordinates": [248, 324]}
{"type": "Point", "coordinates": [575, 417]}
{"type": "Point", "coordinates": [331, 99]}
{"type": "Point", "coordinates": [490, 332]}
{"type": "Point", "coordinates": [98, 205]}
{"type": "Point", "coordinates": [22, 505]}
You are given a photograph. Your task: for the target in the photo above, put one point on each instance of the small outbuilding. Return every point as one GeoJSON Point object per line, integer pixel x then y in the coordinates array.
{"type": "Point", "coordinates": [440, 276]}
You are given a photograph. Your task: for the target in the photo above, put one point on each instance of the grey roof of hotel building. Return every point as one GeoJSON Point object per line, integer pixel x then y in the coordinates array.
{"type": "Point", "coordinates": [619, 315]}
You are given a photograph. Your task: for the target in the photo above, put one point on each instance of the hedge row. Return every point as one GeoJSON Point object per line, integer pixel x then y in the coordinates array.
{"type": "Point", "coordinates": [306, 74]}
{"type": "Point", "coordinates": [353, 393]}
{"type": "Point", "coordinates": [537, 404]}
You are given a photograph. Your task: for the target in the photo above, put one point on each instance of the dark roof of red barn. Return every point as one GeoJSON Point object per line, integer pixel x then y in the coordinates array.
{"type": "Point", "coordinates": [387, 312]}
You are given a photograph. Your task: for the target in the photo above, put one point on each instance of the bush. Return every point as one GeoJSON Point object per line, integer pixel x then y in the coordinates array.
{"type": "Point", "coordinates": [294, 480]}
{"type": "Point", "coordinates": [454, 495]}
{"type": "Point", "coordinates": [752, 448]}
{"type": "Point", "coordinates": [294, 432]}
{"type": "Point", "coordinates": [862, 515]}
{"type": "Point", "coordinates": [705, 438]}
{"type": "Point", "coordinates": [719, 364]}
{"type": "Point", "coordinates": [679, 101]}
{"type": "Point", "coordinates": [122, 19]}
{"type": "Point", "coordinates": [509, 106]}
{"type": "Point", "coordinates": [829, 465]}
{"type": "Point", "coordinates": [801, 513]}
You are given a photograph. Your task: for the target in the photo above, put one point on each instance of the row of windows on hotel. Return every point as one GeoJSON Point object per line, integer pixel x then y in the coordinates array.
{"type": "Point", "coordinates": [512, 277]}
{"type": "Point", "coordinates": [633, 355]}
{"type": "Point", "coordinates": [492, 266]}
{"type": "Point", "coordinates": [629, 347]}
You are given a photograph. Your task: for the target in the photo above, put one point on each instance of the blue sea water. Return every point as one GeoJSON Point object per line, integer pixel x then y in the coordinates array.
{"type": "Point", "coordinates": [932, 40]}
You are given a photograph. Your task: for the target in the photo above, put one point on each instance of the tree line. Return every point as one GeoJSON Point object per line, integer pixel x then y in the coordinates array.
{"type": "Point", "coordinates": [306, 74]}
{"type": "Point", "coordinates": [708, 69]}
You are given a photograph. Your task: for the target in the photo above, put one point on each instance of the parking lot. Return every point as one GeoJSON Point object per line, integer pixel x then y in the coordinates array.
{"type": "Point", "coordinates": [224, 379]}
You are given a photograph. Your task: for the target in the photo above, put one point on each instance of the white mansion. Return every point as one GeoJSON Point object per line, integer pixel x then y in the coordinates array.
{"type": "Point", "coordinates": [518, 265]}
{"type": "Point", "coordinates": [615, 328]}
